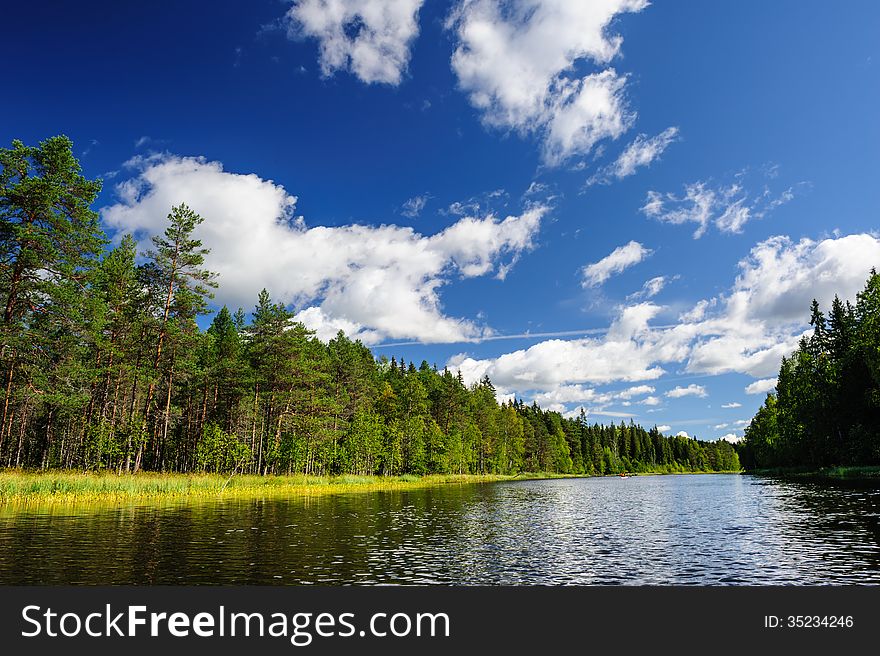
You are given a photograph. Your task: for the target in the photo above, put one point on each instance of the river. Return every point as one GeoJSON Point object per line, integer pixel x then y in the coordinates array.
{"type": "Point", "coordinates": [655, 530]}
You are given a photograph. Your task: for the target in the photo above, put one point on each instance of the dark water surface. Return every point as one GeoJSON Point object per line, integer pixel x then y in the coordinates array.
{"type": "Point", "coordinates": [718, 529]}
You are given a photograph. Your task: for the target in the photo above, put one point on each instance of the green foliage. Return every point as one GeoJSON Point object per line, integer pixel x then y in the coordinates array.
{"type": "Point", "coordinates": [218, 451]}
{"type": "Point", "coordinates": [826, 410]}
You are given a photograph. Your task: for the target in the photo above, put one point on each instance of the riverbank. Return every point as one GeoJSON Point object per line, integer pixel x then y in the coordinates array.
{"type": "Point", "coordinates": [22, 487]}
{"type": "Point", "coordinates": [861, 473]}
{"type": "Point", "coordinates": [18, 486]}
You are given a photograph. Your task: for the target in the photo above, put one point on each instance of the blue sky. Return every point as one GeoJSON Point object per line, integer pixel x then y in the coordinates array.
{"type": "Point", "coordinates": [614, 205]}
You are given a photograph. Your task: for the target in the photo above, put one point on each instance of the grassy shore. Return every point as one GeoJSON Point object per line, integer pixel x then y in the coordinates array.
{"type": "Point", "coordinates": [19, 487]}
{"type": "Point", "coordinates": [860, 473]}
{"type": "Point", "coordinates": [58, 486]}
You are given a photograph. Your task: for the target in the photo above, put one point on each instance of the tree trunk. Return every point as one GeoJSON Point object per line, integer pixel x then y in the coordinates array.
{"type": "Point", "coordinates": [6, 405]}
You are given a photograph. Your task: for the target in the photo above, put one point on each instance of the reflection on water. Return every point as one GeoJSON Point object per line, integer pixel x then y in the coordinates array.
{"type": "Point", "coordinates": [645, 530]}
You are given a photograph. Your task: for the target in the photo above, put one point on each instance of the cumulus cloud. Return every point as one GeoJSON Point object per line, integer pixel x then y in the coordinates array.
{"type": "Point", "coordinates": [370, 38]}
{"type": "Point", "coordinates": [629, 352]}
{"type": "Point", "coordinates": [619, 259]}
{"type": "Point", "coordinates": [641, 152]}
{"type": "Point", "coordinates": [733, 438]}
{"type": "Point", "coordinates": [690, 390]}
{"type": "Point", "coordinates": [745, 330]}
{"type": "Point", "coordinates": [726, 206]}
{"type": "Point", "coordinates": [375, 282]}
{"type": "Point", "coordinates": [516, 62]}
{"type": "Point", "coordinates": [763, 316]}
{"type": "Point", "coordinates": [664, 428]}
{"type": "Point", "coordinates": [761, 386]}
{"type": "Point", "coordinates": [582, 394]}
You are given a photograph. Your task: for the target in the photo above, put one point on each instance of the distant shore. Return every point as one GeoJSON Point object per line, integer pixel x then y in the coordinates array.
{"type": "Point", "coordinates": [854, 473]}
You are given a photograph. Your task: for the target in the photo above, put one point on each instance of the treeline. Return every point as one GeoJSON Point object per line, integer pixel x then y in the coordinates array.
{"type": "Point", "coordinates": [556, 443]}
{"type": "Point", "coordinates": [104, 367]}
{"type": "Point", "coordinates": [826, 410]}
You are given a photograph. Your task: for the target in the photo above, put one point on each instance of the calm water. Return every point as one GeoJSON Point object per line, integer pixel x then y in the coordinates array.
{"type": "Point", "coordinates": [643, 530]}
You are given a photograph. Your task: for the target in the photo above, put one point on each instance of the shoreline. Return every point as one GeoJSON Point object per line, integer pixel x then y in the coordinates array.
{"type": "Point", "coordinates": [849, 473]}
{"type": "Point", "coordinates": [19, 487]}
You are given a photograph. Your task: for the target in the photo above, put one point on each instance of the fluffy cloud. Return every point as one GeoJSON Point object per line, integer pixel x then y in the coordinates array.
{"type": "Point", "coordinates": [727, 206]}
{"type": "Point", "coordinates": [664, 428]}
{"type": "Point", "coordinates": [761, 386]}
{"type": "Point", "coordinates": [371, 38]}
{"type": "Point", "coordinates": [732, 404]}
{"type": "Point", "coordinates": [746, 330]}
{"type": "Point", "coordinates": [733, 438]}
{"type": "Point", "coordinates": [690, 390]}
{"type": "Point", "coordinates": [375, 282]}
{"type": "Point", "coordinates": [629, 351]}
{"type": "Point", "coordinates": [763, 316]}
{"type": "Point", "coordinates": [641, 152]}
{"type": "Point", "coordinates": [515, 60]}
{"type": "Point", "coordinates": [597, 400]}
{"type": "Point", "coordinates": [619, 259]}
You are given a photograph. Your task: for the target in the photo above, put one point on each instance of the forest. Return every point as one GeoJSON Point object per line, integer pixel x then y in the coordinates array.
{"type": "Point", "coordinates": [826, 409]}
{"type": "Point", "coordinates": [104, 367]}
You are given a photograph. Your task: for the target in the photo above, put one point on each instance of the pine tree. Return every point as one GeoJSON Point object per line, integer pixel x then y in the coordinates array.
{"type": "Point", "coordinates": [184, 288]}
{"type": "Point", "coordinates": [50, 239]}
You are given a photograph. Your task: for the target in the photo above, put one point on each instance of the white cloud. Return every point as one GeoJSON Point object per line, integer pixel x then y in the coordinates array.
{"type": "Point", "coordinates": [326, 327]}
{"type": "Point", "coordinates": [682, 434]}
{"type": "Point", "coordinates": [582, 394]}
{"type": "Point", "coordinates": [727, 206]}
{"type": "Point", "coordinates": [746, 330]}
{"type": "Point", "coordinates": [651, 288]}
{"type": "Point", "coordinates": [371, 38]}
{"type": "Point", "coordinates": [664, 428]}
{"type": "Point", "coordinates": [650, 400]}
{"type": "Point", "coordinates": [629, 351]}
{"type": "Point", "coordinates": [765, 313]}
{"type": "Point", "coordinates": [619, 259]}
{"type": "Point", "coordinates": [720, 426]}
{"type": "Point", "coordinates": [698, 312]}
{"type": "Point", "coordinates": [696, 206]}
{"type": "Point", "coordinates": [574, 413]}
{"type": "Point", "coordinates": [380, 281]}
{"type": "Point", "coordinates": [516, 61]}
{"type": "Point", "coordinates": [641, 152]}
{"type": "Point", "coordinates": [414, 206]}
{"type": "Point", "coordinates": [690, 390]}
{"type": "Point", "coordinates": [637, 390]}
{"type": "Point", "coordinates": [761, 386]}
{"type": "Point", "coordinates": [733, 438]}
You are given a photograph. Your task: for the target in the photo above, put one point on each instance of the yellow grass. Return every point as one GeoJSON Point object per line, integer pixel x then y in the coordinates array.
{"type": "Point", "coordinates": [25, 487]}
